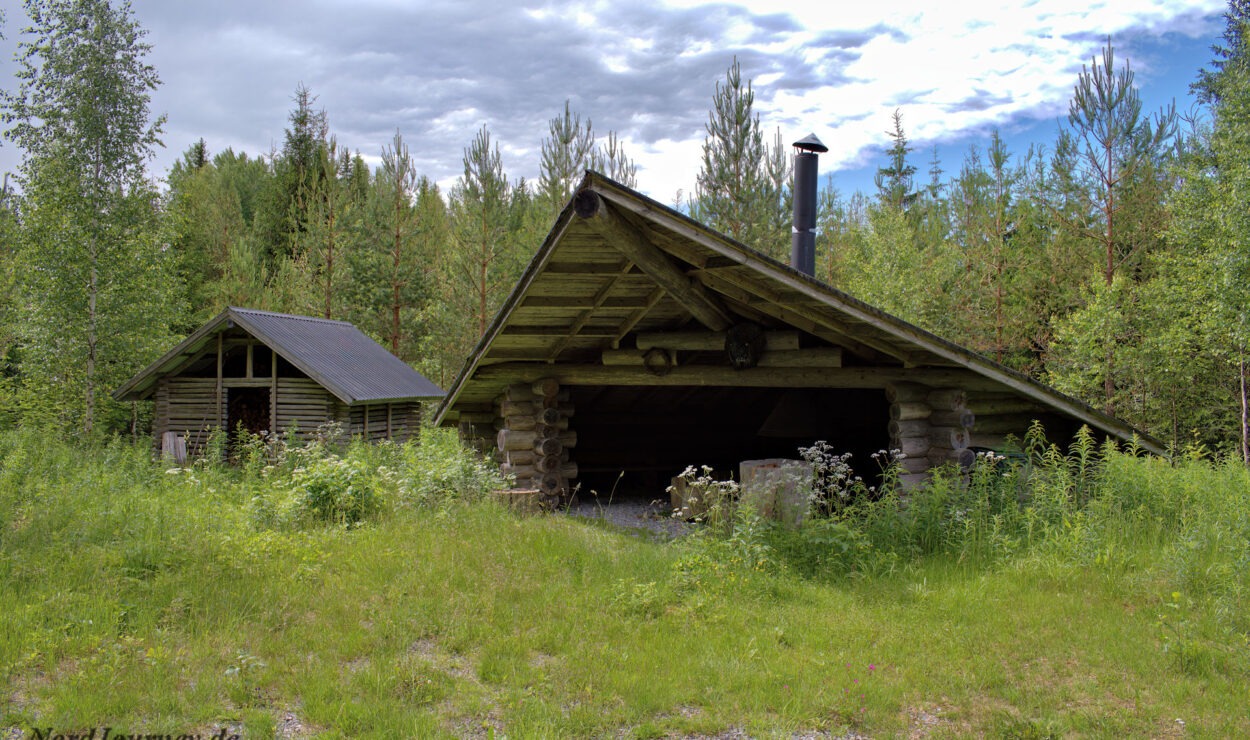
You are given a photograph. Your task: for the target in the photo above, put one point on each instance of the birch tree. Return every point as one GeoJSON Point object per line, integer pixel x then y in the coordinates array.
{"type": "Point", "coordinates": [97, 281]}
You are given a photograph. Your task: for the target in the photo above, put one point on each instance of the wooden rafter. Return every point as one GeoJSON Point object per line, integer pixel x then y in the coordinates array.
{"type": "Point", "coordinates": [790, 315]}
{"type": "Point", "coordinates": [600, 296]}
{"type": "Point", "coordinates": [629, 323]}
{"type": "Point", "coordinates": [630, 242]}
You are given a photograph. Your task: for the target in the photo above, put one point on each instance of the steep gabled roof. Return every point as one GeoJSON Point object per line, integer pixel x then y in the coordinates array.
{"type": "Point", "coordinates": [353, 367]}
{"type": "Point", "coordinates": [617, 262]}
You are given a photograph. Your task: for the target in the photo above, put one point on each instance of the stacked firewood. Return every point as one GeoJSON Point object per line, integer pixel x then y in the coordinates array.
{"type": "Point", "coordinates": [534, 439]}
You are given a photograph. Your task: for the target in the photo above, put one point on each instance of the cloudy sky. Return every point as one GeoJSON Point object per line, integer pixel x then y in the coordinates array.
{"type": "Point", "coordinates": [438, 70]}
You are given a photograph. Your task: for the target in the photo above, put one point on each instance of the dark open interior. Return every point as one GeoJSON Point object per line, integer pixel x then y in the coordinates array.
{"type": "Point", "coordinates": [652, 434]}
{"type": "Point", "coordinates": [248, 409]}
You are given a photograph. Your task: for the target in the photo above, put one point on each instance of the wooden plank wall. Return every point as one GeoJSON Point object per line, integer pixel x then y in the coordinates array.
{"type": "Point", "coordinates": [187, 407]}
{"type": "Point", "coordinates": [395, 421]}
{"type": "Point", "coordinates": [304, 405]}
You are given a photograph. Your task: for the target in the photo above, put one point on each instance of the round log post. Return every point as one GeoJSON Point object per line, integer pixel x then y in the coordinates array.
{"type": "Point", "coordinates": [947, 399]}
{"type": "Point", "coordinates": [914, 446]}
{"type": "Point", "coordinates": [952, 418]}
{"type": "Point", "coordinates": [546, 387]}
{"type": "Point", "coordinates": [519, 392]}
{"type": "Point", "coordinates": [908, 411]}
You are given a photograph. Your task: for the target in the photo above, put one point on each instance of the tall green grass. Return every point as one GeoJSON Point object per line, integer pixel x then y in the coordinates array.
{"type": "Point", "coordinates": [376, 591]}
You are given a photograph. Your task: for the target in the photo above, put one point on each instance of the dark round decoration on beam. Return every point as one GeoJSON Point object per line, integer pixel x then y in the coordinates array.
{"type": "Point", "coordinates": [657, 361]}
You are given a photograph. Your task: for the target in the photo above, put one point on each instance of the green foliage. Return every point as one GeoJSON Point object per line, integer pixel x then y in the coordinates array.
{"type": "Point", "coordinates": [1229, 53]}
{"type": "Point", "coordinates": [895, 186]}
{"type": "Point", "coordinates": [488, 257]}
{"type": "Point", "coordinates": [93, 271]}
{"type": "Point", "coordinates": [1095, 578]}
{"type": "Point", "coordinates": [741, 186]}
{"type": "Point", "coordinates": [566, 154]}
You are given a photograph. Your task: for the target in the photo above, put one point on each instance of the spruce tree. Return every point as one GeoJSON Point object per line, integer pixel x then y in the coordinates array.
{"type": "Point", "coordinates": [1207, 87]}
{"type": "Point", "coordinates": [895, 182]}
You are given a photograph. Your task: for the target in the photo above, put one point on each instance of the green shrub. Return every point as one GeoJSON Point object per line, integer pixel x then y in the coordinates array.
{"type": "Point", "coordinates": [335, 489]}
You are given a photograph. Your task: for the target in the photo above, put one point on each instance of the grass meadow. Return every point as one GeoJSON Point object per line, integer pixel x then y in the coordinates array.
{"type": "Point", "coordinates": [379, 592]}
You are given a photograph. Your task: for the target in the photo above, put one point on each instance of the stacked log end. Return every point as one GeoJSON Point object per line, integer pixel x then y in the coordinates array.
{"type": "Point", "coordinates": [930, 427]}
{"type": "Point", "coordinates": [534, 439]}
{"type": "Point", "coordinates": [1002, 419]}
{"type": "Point", "coordinates": [949, 426]}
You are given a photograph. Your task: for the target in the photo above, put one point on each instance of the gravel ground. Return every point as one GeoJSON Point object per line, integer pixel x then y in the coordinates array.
{"type": "Point", "coordinates": [631, 513]}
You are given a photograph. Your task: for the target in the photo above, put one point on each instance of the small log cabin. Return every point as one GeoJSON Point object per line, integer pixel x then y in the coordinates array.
{"type": "Point", "coordinates": [279, 373]}
{"type": "Point", "coordinates": [639, 341]}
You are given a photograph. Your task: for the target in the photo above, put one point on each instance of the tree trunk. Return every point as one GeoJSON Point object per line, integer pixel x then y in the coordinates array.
{"type": "Point", "coordinates": [93, 290]}
{"type": "Point", "coordinates": [1245, 410]}
{"type": "Point", "coordinates": [330, 251]}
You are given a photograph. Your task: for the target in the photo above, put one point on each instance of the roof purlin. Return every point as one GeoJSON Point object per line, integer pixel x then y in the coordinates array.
{"type": "Point", "coordinates": [927, 341]}
{"type": "Point", "coordinates": [823, 295]}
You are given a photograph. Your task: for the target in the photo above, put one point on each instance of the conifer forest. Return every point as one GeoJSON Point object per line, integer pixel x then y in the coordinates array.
{"type": "Point", "coordinates": [1112, 263]}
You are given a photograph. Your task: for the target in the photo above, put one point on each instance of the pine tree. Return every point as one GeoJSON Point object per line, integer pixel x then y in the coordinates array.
{"type": "Point", "coordinates": [992, 314]}
{"type": "Point", "coordinates": [566, 154]}
{"type": "Point", "coordinates": [392, 267]}
{"type": "Point", "coordinates": [486, 260]}
{"type": "Point", "coordinates": [611, 160]}
{"type": "Point", "coordinates": [731, 185]}
{"type": "Point", "coordinates": [97, 282]}
{"type": "Point", "coordinates": [1117, 149]}
{"type": "Point", "coordinates": [1120, 158]}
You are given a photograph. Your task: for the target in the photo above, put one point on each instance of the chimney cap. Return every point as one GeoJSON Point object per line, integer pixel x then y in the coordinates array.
{"type": "Point", "coordinates": [810, 143]}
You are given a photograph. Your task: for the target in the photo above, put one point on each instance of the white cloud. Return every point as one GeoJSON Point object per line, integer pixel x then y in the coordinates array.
{"type": "Point", "coordinates": [438, 71]}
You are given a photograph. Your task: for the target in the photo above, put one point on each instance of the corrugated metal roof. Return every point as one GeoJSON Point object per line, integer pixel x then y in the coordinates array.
{"type": "Point", "coordinates": [336, 354]}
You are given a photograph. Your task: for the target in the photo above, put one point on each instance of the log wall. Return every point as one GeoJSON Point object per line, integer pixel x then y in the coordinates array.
{"type": "Point", "coordinates": [187, 407]}
{"type": "Point", "coordinates": [533, 441]}
{"type": "Point", "coordinates": [1002, 419]}
{"type": "Point", "coordinates": [931, 427]}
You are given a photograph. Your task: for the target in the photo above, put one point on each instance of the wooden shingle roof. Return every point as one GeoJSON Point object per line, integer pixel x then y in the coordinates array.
{"type": "Point", "coordinates": [617, 263]}
{"type": "Point", "coordinates": [341, 358]}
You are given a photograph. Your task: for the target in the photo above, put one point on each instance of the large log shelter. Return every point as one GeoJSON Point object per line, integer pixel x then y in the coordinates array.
{"type": "Point", "coordinates": [279, 374]}
{"type": "Point", "coordinates": [639, 341]}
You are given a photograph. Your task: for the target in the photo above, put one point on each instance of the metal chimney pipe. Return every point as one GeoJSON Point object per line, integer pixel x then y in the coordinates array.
{"type": "Point", "coordinates": [803, 238]}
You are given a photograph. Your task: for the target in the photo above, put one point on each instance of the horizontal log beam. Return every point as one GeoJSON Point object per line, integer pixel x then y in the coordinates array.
{"type": "Point", "coordinates": [694, 375]}
{"type": "Point", "coordinates": [705, 340]}
{"type": "Point", "coordinates": [590, 269]}
{"type": "Point", "coordinates": [814, 357]}
{"type": "Point", "coordinates": [632, 320]}
{"type": "Point", "coordinates": [604, 332]}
